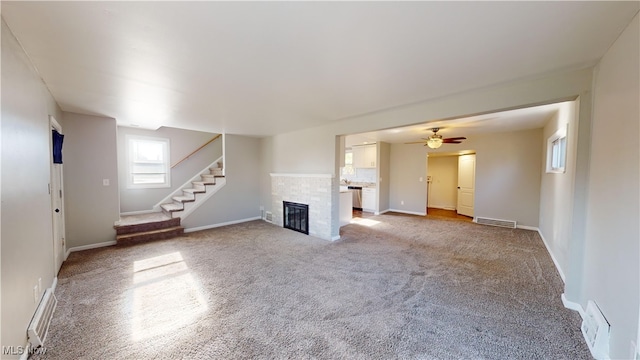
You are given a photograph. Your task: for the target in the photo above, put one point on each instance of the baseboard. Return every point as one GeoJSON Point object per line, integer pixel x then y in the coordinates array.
{"type": "Point", "coordinates": [90, 246]}
{"type": "Point", "coordinates": [572, 305]}
{"type": "Point", "coordinates": [409, 212]}
{"type": "Point", "coordinates": [555, 262]}
{"type": "Point", "coordinates": [525, 227]}
{"type": "Point", "coordinates": [382, 212]}
{"type": "Point", "coordinates": [337, 237]}
{"type": "Point", "coordinates": [212, 226]}
{"type": "Point", "coordinates": [443, 207]}
{"type": "Point", "coordinates": [141, 212]}
{"type": "Point", "coordinates": [54, 284]}
{"type": "Point", "coordinates": [27, 351]}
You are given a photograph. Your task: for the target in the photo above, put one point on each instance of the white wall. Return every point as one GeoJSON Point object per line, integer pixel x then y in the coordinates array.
{"type": "Point", "coordinates": [612, 246]}
{"type": "Point", "coordinates": [27, 240]}
{"type": "Point", "coordinates": [406, 192]}
{"type": "Point", "coordinates": [240, 198]}
{"type": "Point", "coordinates": [313, 151]}
{"type": "Point", "coordinates": [556, 189]}
{"type": "Point", "coordinates": [182, 143]}
{"type": "Point", "coordinates": [443, 190]}
{"type": "Point", "coordinates": [90, 156]}
{"type": "Point", "coordinates": [384, 175]}
{"type": "Point", "coordinates": [507, 175]}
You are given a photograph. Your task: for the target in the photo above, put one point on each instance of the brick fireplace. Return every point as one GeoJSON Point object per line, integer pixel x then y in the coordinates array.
{"type": "Point", "coordinates": [313, 190]}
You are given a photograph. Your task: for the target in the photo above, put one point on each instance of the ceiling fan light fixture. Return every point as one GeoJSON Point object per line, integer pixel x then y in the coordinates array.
{"type": "Point", "coordinates": [435, 141]}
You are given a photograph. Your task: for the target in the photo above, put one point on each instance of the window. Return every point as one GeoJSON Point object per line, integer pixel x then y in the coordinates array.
{"type": "Point", "coordinates": [557, 152]}
{"type": "Point", "coordinates": [348, 164]}
{"type": "Point", "coordinates": [148, 162]}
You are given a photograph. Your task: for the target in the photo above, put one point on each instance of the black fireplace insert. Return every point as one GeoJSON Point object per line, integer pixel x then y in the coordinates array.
{"type": "Point", "coordinates": [296, 217]}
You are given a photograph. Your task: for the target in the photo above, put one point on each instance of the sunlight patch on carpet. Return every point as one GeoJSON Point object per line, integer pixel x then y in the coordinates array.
{"type": "Point", "coordinates": [165, 298]}
{"type": "Point", "coordinates": [364, 222]}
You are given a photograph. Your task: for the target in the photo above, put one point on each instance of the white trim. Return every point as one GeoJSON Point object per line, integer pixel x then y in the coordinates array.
{"type": "Point", "coordinates": [187, 184]}
{"type": "Point", "coordinates": [54, 123]}
{"type": "Point", "coordinates": [27, 350]}
{"type": "Point", "coordinates": [207, 227]}
{"type": "Point", "coordinates": [334, 238]}
{"type": "Point", "coordinates": [90, 246]}
{"type": "Point", "coordinates": [408, 212]}
{"type": "Point", "coordinates": [139, 212]}
{"type": "Point", "coordinates": [572, 305]}
{"type": "Point", "coordinates": [304, 175]}
{"type": "Point", "coordinates": [443, 207]}
{"type": "Point", "coordinates": [555, 262]}
{"type": "Point", "coordinates": [382, 212]}
{"type": "Point", "coordinates": [166, 150]}
{"type": "Point", "coordinates": [525, 227]}
{"type": "Point", "coordinates": [54, 284]}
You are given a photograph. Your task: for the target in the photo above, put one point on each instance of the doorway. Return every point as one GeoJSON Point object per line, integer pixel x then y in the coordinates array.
{"type": "Point", "coordinates": [57, 202]}
{"type": "Point", "coordinates": [451, 185]}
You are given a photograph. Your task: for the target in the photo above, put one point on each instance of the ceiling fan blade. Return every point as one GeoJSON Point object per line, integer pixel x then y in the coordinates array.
{"type": "Point", "coordinates": [452, 142]}
{"type": "Point", "coordinates": [415, 142]}
{"type": "Point", "coordinates": [455, 138]}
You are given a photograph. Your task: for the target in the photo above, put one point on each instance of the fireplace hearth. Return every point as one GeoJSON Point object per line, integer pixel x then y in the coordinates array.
{"type": "Point", "coordinates": [296, 216]}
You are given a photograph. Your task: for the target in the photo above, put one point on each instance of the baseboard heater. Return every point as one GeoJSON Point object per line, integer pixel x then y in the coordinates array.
{"type": "Point", "coordinates": [39, 326]}
{"type": "Point", "coordinates": [595, 329]}
{"type": "Point", "coordinates": [496, 222]}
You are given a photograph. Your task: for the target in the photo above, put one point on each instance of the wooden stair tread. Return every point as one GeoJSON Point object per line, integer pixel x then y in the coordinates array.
{"type": "Point", "coordinates": [194, 191]}
{"type": "Point", "coordinates": [151, 232]}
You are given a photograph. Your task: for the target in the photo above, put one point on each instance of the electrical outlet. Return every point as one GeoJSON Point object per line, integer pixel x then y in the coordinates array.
{"type": "Point", "coordinates": [402, 202]}
{"type": "Point", "coordinates": [105, 182]}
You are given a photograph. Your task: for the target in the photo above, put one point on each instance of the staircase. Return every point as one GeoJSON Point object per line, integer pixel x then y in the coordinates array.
{"type": "Point", "coordinates": [164, 222]}
{"type": "Point", "coordinates": [191, 195]}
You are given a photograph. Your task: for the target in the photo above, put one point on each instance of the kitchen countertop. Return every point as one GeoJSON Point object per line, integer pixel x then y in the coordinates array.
{"type": "Point", "coordinates": [364, 185]}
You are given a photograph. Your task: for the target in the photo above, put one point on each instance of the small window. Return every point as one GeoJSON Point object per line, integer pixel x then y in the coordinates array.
{"type": "Point", "coordinates": [348, 164]}
{"type": "Point", "coordinates": [557, 152]}
{"type": "Point", "coordinates": [148, 162]}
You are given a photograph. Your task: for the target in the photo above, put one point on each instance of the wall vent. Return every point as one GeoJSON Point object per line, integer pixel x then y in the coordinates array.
{"type": "Point", "coordinates": [268, 216]}
{"type": "Point", "coordinates": [496, 222]}
{"type": "Point", "coordinates": [595, 330]}
{"type": "Point", "coordinates": [39, 326]}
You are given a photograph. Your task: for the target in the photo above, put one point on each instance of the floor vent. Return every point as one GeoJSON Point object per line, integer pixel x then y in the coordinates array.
{"type": "Point", "coordinates": [595, 330]}
{"type": "Point", "coordinates": [495, 222]}
{"type": "Point", "coordinates": [268, 216]}
{"type": "Point", "coordinates": [39, 326]}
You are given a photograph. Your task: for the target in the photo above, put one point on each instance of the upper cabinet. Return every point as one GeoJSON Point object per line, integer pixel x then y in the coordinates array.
{"type": "Point", "coordinates": [364, 156]}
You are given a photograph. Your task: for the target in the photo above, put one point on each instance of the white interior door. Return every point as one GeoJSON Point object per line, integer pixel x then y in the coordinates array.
{"type": "Point", "coordinates": [466, 184]}
{"type": "Point", "coordinates": [57, 206]}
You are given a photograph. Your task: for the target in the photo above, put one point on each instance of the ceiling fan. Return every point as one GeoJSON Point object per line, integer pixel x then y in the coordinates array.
{"type": "Point", "coordinates": [435, 141]}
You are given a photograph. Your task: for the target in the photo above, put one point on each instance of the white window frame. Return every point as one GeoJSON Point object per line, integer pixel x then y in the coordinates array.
{"type": "Point", "coordinates": [557, 152]}
{"type": "Point", "coordinates": [348, 168]}
{"type": "Point", "coordinates": [131, 139]}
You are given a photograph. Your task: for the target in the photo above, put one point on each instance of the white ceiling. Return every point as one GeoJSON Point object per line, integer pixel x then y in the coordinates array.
{"type": "Point", "coordinates": [262, 68]}
{"type": "Point", "coordinates": [504, 121]}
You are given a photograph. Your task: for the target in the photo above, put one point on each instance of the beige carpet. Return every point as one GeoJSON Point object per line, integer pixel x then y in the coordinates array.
{"type": "Point", "coordinates": [393, 287]}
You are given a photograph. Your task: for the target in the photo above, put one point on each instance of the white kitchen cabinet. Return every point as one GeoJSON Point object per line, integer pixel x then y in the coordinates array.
{"type": "Point", "coordinates": [369, 199]}
{"type": "Point", "coordinates": [364, 156]}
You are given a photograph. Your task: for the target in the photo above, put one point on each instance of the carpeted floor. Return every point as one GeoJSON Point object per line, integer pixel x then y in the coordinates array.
{"type": "Point", "coordinates": [394, 286]}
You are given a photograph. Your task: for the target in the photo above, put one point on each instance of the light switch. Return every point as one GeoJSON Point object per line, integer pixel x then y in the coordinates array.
{"type": "Point", "coordinates": [105, 182]}
{"type": "Point", "coordinates": [420, 179]}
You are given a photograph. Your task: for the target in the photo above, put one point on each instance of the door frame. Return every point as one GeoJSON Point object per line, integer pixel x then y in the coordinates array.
{"type": "Point", "coordinates": [473, 200]}
{"type": "Point", "coordinates": [59, 253]}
